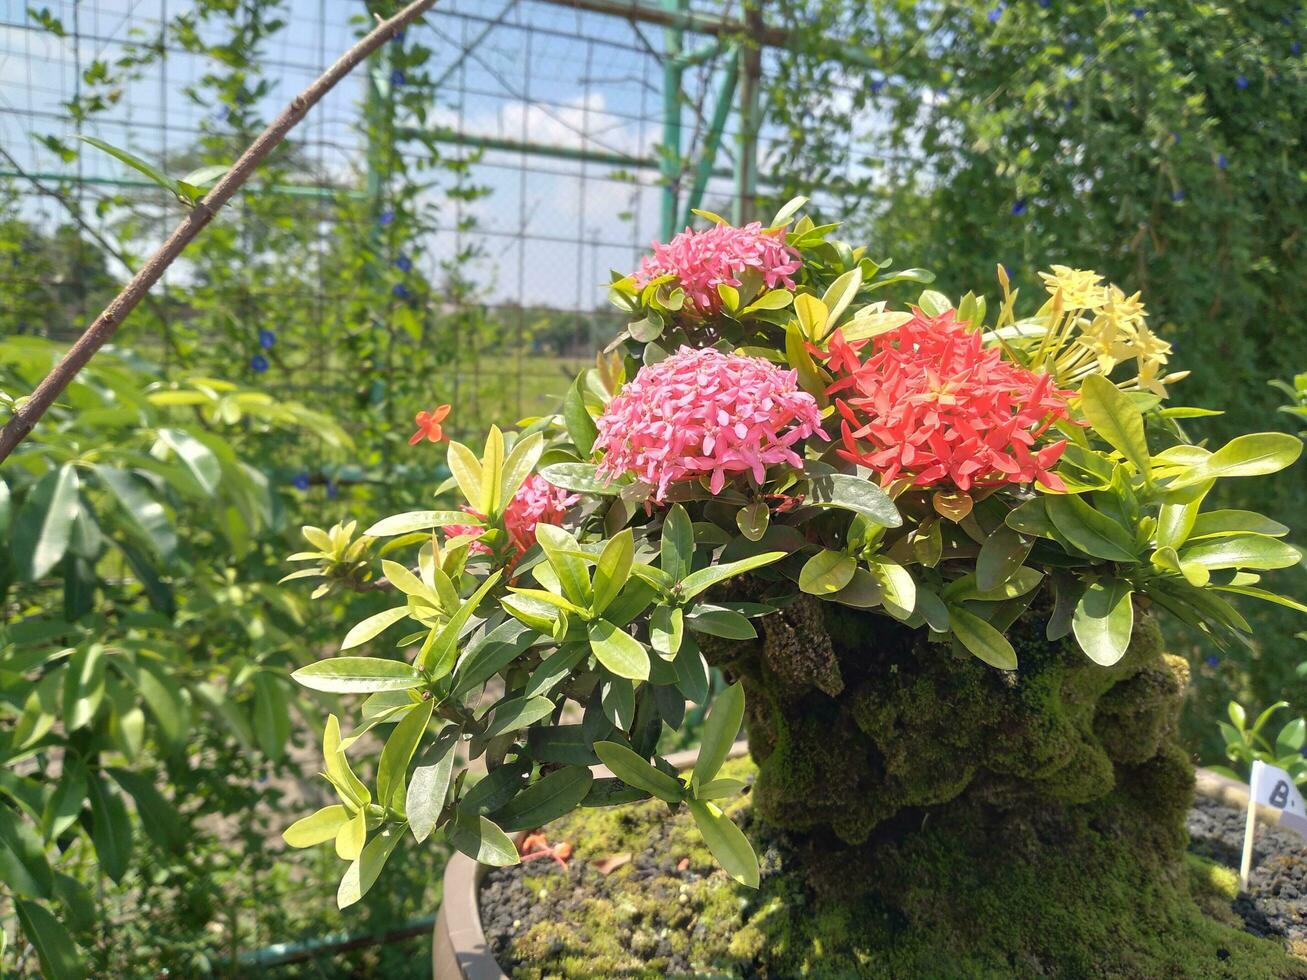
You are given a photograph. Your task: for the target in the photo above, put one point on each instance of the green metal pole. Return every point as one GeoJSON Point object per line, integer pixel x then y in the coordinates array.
{"type": "Point", "coordinates": [713, 140]}
{"type": "Point", "coordinates": [746, 163]}
{"type": "Point", "coordinates": [673, 71]}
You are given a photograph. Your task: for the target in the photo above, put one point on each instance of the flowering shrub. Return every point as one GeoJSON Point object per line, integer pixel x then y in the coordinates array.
{"type": "Point", "coordinates": [705, 413]}
{"type": "Point", "coordinates": [769, 415]}
{"type": "Point", "coordinates": [934, 405]}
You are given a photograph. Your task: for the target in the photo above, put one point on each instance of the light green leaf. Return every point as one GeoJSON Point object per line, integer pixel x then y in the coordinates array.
{"type": "Point", "coordinates": [981, 639]}
{"type": "Point", "coordinates": [563, 552]}
{"type": "Point", "coordinates": [706, 578]}
{"type": "Point", "coordinates": [1103, 621]}
{"type": "Point", "coordinates": [667, 629]}
{"type": "Point", "coordinates": [1089, 530]}
{"type": "Point", "coordinates": [520, 464]}
{"type": "Point", "coordinates": [840, 294]}
{"type": "Point", "coordinates": [1257, 454]}
{"type": "Point", "coordinates": [466, 468]}
{"type": "Point", "coordinates": [132, 160]}
{"type": "Point", "coordinates": [316, 828]}
{"type": "Point", "coordinates": [481, 839]}
{"type": "Point", "coordinates": [580, 478]}
{"type": "Point", "coordinates": [719, 733]}
{"type": "Point", "coordinates": [358, 675]}
{"type": "Point", "coordinates": [198, 459]}
{"type": "Point", "coordinates": [635, 771]}
{"type": "Point", "coordinates": [372, 626]}
{"type": "Point", "coordinates": [392, 770]}
{"type": "Point", "coordinates": [618, 651]}
{"type": "Point", "coordinates": [143, 512]}
{"type": "Point", "coordinates": [44, 524]}
{"type": "Point", "coordinates": [726, 842]}
{"type": "Point", "coordinates": [827, 572]}
{"type": "Point", "coordinates": [419, 520]}
{"type": "Point", "coordinates": [613, 570]}
{"type": "Point", "coordinates": [439, 654]}
{"type": "Point", "coordinates": [1114, 416]}
{"type": "Point", "coordinates": [364, 870]}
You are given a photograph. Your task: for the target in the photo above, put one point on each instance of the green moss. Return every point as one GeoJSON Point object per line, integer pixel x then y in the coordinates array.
{"type": "Point", "coordinates": [949, 900]}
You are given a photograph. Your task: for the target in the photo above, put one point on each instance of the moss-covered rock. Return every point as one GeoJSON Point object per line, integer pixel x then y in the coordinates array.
{"type": "Point", "coordinates": [919, 813]}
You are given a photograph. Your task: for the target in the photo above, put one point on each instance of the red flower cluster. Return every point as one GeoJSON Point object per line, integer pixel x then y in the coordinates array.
{"type": "Point", "coordinates": [933, 405]}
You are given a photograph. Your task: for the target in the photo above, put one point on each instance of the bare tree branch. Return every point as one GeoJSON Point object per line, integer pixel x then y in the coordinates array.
{"type": "Point", "coordinates": [107, 323]}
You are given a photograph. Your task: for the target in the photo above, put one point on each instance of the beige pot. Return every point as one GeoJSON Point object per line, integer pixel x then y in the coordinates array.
{"type": "Point", "coordinates": [459, 950]}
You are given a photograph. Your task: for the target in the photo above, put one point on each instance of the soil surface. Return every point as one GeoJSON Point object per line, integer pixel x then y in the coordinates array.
{"type": "Point", "coordinates": [539, 915]}
{"type": "Point", "coordinates": [1276, 903]}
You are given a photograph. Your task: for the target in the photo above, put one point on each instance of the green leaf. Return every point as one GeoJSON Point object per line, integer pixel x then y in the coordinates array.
{"type": "Point", "coordinates": [392, 770]}
{"type": "Point", "coordinates": [706, 578]}
{"type": "Point", "coordinates": [1242, 551]}
{"type": "Point", "coordinates": [372, 626]}
{"type": "Point", "coordinates": [132, 160]}
{"type": "Point", "coordinates": [676, 548]}
{"type": "Point", "coordinates": [197, 459]}
{"type": "Point", "coordinates": [317, 828]}
{"type": "Point", "coordinates": [83, 685]}
{"type": "Point", "coordinates": [519, 465]}
{"type": "Point", "coordinates": [54, 947]}
{"type": "Point", "coordinates": [933, 303]}
{"type": "Point", "coordinates": [1089, 530]}
{"type": "Point", "coordinates": [491, 653]}
{"type": "Point", "coordinates": [618, 651]}
{"type": "Point", "coordinates": [466, 468]}
{"type": "Point", "coordinates": [23, 865]}
{"type": "Point", "coordinates": [482, 840]}
{"type": "Point", "coordinates": [563, 552]}
{"type": "Point", "coordinates": [143, 512]}
{"type": "Point", "coordinates": [551, 797]}
{"type": "Point", "coordinates": [981, 639]}
{"type": "Point", "coordinates": [358, 675]}
{"type": "Point", "coordinates": [719, 621]}
{"type": "Point", "coordinates": [613, 569]}
{"type": "Point", "coordinates": [667, 630]}
{"type": "Point", "coordinates": [1222, 523]}
{"type": "Point", "coordinates": [839, 295]}
{"type": "Point", "coordinates": [691, 672]}
{"type": "Point", "coordinates": [719, 733]}
{"type": "Point", "coordinates": [726, 842]}
{"type": "Point", "coordinates": [1264, 595]}
{"type": "Point", "coordinates": [419, 520]}
{"type": "Point", "coordinates": [111, 828]}
{"type": "Point", "coordinates": [492, 473]}
{"type": "Point", "coordinates": [44, 524]}
{"type": "Point", "coordinates": [271, 715]}
{"type": "Point", "coordinates": [159, 818]}
{"type": "Point", "coordinates": [1258, 454]}
{"type": "Point", "coordinates": [635, 771]}
{"type": "Point", "coordinates": [580, 426]}
{"type": "Point", "coordinates": [787, 211]}
{"type": "Point", "coordinates": [364, 870]}
{"type": "Point", "coordinates": [580, 478]}
{"type": "Point", "coordinates": [1114, 416]}
{"type": "Point", "coordinates": [427, 790]}
{"type": "Point", "coordinates": [1003, 552]}
{"type": "Point", "coordinates": [855, 494]}
{"type": "Point", "coordinates": [518, 713]}
{"type": "Point", "coordinates": [866, 325]}
{"type": "Point", "coordinates": [1291, 738]}
{"type": "Point", "coordinates": [1103, 621]}
{"type": "Point", "coordinates": [827, 572]}
{"type": "Point", "coordinates": [439, 654]}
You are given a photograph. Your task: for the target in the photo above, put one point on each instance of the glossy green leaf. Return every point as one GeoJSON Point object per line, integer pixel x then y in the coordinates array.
{"type": "Point", "coordinates": [705, 578]}
{"type": "Point", "coordinates": [519, 464]}
{"type": "Point", "coordinates": [1115, 417]}
{"type": "Point", "coordinates": [580, 426]}
{"type": "Point", "coordinates": [981, 639]}
{"type": "Point", "coordinates": [1257, 454]}
{"type": "Point", "coordinates": [720, 621]}
{"type": "Point", "coordinates": [372, 626]}
{"type": "Point", "coordinates": [428, 788]}
{"type": "Point", "coordinates": [667, 630]}
{"type": "Point", "coordinates": [826, 572]}
{"type": "Point", "coordinates": [613, 569]}
{"type": "Point", "coordinates": [726, 842]}
{"type": "Point", "coordinates": [518, 713]}
{"type": "Point", "coordinates": [358, 675]}
{"type": "Point", "coordinates": [392, 769]}
{"type": "Point", "coordinates": [553, 796]}
{"type": "Point", "coordinates": [618, 651]}
{"type": "Point", "coordinates": [196, 458]}
{"type": "Point", "coordinates": [1103, 621]}
{"type": "Point", "coordinates": [364, 870]}
{"type": "Point", "coordinates": [854, 494]}
{"type": "Point", "coordinates": [719, 733]}
{"type": "Point", "coordinates": [317, 828]}
{"type": "Point", "coordinates": [676, 554]}
{"type": "Point", "coordinates": [1090, 530]}
{"type": "Point", "coordinates": [1003, 552]}
{"type": "Point", "coordinates": [482, 840]}
{"type": "Point", "coordinates": [43, 526]}
{"type": "Point", "coordinates": [143, 511]}
{"type": "Point", "coordinates": [562, 550]}
{"type": "Point", "coordinates": [635, 771]}
{"type": "Point", "coordinates": [1241, 551]}
{"type": "Point", "coordinates": [419, 520]}
{"type": "Point", "coordinates": [580, 478]}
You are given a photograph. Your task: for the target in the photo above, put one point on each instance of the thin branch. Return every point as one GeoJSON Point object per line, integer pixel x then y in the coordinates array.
{"type": "Point", "coordinates": [107, 323]}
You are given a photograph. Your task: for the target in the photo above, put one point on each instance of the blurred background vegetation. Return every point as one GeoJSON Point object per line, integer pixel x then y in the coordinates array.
{"type": "Point", "coordinates": [151, 746]}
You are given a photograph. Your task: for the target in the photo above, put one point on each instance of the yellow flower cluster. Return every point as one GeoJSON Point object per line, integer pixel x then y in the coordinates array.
{"type": "Point", "coordinates": [1110, 326]}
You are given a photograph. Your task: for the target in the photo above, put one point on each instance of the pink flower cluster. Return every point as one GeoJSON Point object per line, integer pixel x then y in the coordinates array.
{"type": "Point", "coordinates": [704, 260]}
{"type": "Point", "coordinates": [536, 502]}
{"type": "Point", "coordinates": [933, 405]}
{"type": "Point", "coordinates": [704, 412]}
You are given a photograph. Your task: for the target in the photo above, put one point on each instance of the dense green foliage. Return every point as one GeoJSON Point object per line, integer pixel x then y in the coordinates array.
{"type": "Point", "coordinates": [1160, 144]}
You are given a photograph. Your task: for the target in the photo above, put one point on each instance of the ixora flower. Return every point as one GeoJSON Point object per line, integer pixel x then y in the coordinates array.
{"type": "Point", "coordinates": [703, 412]}
{"type": "Point", "coordinates": [428, 424]}
{"type": "Point", "coordinates": [536, 502]}
{"type": "Point", "coordinates": [703, 260]}
{"type": "Point", "coordinates": [933, 405]}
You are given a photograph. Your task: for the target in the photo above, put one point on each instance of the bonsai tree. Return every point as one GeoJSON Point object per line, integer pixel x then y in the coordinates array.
{"type": "Point", "coordinates": [924, 546]}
